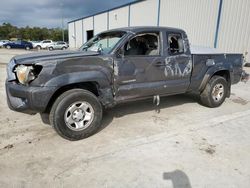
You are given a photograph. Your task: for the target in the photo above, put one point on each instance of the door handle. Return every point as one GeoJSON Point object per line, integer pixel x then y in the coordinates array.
{"type": "Point", "coordinates": [159, 64]}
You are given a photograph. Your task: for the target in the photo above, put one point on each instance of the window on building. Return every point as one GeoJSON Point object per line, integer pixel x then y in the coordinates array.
{"type": "Point", "coordinates": [143, 44]}
{"type": "Point", "coordinates": [175, 43]}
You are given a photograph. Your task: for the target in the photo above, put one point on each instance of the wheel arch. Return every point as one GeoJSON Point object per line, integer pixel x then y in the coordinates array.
{"type": "Point", "coordinates": [92, 86]}
{"type": "Point", "coordinates": [222, 72]}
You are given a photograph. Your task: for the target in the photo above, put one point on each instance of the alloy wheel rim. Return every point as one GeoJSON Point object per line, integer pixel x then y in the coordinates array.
{"type": "Point", "coordinates": [218, 92]}
{"type": "Point", "coordinates": [79, 115]}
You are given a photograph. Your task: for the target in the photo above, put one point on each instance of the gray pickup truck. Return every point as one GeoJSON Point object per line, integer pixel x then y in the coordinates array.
{"type": "Point", "coordinates": [70, 89]}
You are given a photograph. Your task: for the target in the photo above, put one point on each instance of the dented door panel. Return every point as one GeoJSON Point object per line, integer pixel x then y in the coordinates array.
{"type": "Point", "coordinates": [140, 76]}
{"type": "Point", "coordinates": [178, 67]}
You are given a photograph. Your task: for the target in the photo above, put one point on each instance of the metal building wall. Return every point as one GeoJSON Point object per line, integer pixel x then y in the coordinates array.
{"type": "Point", "coordinates": [144, 13]}
{"type": "Point", "coordinates": [100, 23]}
{"type": "Point", "coordinates": [197, 17]}
{"type": "Point", "coordinates": [78, 33]}
{"type": "Point", "coordinates": [88, 24]}
{"type": "Point", "coordinates": [71, 34]}
{"type": "Point", "coordinates": [119, 18]}
{"type": "Point", "coordinates": [234, 30]}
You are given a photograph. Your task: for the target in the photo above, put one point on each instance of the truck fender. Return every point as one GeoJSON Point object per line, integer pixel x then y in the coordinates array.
{"type": "Point", "coordinates": [79, 77]}
{"type": "Point", "coordinates": [209, 74]}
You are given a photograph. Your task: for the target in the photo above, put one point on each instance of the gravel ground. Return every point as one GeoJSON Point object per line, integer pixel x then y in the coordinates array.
{"type": "Point", "coordinates": [182, 145]}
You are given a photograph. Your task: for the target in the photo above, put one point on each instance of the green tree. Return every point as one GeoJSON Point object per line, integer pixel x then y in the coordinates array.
{"type": "Point", "coordinates": [8, 31]}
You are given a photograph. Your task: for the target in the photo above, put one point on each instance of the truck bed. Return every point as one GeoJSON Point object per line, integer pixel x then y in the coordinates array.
{"type": "Point", "coordinates": [203, 62]}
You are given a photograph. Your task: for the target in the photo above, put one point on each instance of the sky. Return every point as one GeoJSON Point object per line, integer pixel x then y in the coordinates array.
{"type": "Point", "coordinates": [48, 13]}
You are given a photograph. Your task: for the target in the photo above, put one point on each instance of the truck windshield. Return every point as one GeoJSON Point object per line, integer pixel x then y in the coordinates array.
{"type": "Point", "coordinates": [103, 42]}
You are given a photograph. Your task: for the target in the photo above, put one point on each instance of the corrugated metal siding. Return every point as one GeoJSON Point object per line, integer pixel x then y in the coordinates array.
{"type": "Point", "coordinates": [197, 17]}
{"type": "Point", "coordinates": [234, 32]}
{"type": "Point", "coordinates": [71, 34]}
{"type": "Point", "coordinates": [87, 25]}
{"type": "Point", "coordinates": [79, 33]}
{"type": "Point", "coordinates": [101, 23]}
{"type": "Point", "coordinates": [144, 13]}
{"type": "Point", "coordinates": [118, 18]}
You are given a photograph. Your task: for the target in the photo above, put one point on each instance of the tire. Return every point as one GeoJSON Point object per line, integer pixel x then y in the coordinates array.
{"type": "Point", "coordinates": [50, 48]}
{"type": "Point", "coordinates": [215, 92]}
{"type": "Point", "coordinates": [27, 48]}
{"type": "Point", "coordinates": [63, 48]}
{"type": "Point", "coordinates": [39, 47]}
{"type": "Point", "coordinates": [67, 106]}
{"type": "Point", "coordinates": [8, 47]}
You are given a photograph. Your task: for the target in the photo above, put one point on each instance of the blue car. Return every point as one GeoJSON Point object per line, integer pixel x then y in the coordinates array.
{"type": "Point", "coordinates": [19, 44]}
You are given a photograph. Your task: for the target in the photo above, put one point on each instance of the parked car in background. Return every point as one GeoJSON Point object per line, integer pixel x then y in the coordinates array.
{"type": "Point", "coordinates": [34, 43]}
{"type": "Point", "coordinates": [19, 44]}
{"type": "Point", "coordinates": [2, 42]}
{"type": "Point", "coordinates": [60, 45]}
{"type": "Point", "coordinates": [43, 44]}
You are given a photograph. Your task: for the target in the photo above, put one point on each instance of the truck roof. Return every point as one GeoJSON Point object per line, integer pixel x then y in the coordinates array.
{"type": "Point", "coordinates": [147, 28]}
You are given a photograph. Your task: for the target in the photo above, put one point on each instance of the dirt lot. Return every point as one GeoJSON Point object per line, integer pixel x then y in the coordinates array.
{"type": "Point", "coordinates": [184, 145]}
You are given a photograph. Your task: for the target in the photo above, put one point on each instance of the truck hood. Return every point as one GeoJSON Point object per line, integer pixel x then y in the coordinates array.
{"type": "Point", "coordinates": [36, 57]}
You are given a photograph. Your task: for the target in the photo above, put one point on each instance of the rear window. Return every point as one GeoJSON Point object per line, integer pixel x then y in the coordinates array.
{"type": "Point", "coordinates": [175, 43]}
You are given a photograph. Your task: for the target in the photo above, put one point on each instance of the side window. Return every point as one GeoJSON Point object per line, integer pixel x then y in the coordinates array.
{"type": "Point", "coordinates": [18, 42]}
{"type": "Point", "coordinates": [175, 43]}
{"type": "Point", "coordinates": [146, 44]}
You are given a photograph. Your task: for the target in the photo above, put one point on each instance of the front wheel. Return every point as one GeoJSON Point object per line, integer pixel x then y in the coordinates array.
{"type": "Point", "coordinates": [215, 92]}
{"type": "Point", "coordinates": [76, 114]}
{"type": "Point", "coordinates": [8, 47]}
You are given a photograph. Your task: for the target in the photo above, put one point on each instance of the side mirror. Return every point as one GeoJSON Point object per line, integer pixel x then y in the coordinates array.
{"type": "Point", "coordinates": [120, 53]}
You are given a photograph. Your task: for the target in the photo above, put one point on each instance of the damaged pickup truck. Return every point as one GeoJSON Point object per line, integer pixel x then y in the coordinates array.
{"type": "Point", "coordinates": [70, 89]}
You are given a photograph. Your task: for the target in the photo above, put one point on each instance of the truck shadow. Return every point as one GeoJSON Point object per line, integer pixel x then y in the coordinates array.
{"type": "Point", "coordinates": [145, 105]}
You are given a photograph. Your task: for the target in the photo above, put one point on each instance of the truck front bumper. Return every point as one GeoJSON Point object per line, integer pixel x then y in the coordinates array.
{"type": "Point", "coordinates": [26, 99]}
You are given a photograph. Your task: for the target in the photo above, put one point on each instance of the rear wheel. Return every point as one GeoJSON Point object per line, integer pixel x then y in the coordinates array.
{"type": "Point", "coordinates": [27, 48]}
{"type": "Point", "coordinates": [63, 48]}
{"type": "Point", "coordinates": [39, 47]}
{"type": "Point", "coordinates": [215, 92]}
{"type": "Point", "coordinates": [76, 114]}
{"type": "Point", "coordinates": [50, 48]}
{"type": "Point", "coordinates": [8, 47]}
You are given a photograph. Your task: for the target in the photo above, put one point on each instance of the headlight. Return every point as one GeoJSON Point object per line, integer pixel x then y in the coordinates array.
{"type": "Point", "coordinates": [25, 74]}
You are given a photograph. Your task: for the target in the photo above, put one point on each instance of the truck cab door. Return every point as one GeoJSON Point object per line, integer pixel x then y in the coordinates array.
{"type": "Point", "coordinates": [178, 62]}
{"type": "Point", "coordinates": [139, 71]}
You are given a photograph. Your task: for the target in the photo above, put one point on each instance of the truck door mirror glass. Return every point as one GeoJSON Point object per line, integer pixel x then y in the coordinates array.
{"type": "Point", "coordinates": [120, 53]}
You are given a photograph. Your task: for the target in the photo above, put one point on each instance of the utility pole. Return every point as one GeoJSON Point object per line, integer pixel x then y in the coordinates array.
{"type": "Point", "coordinates": [62, 21]}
